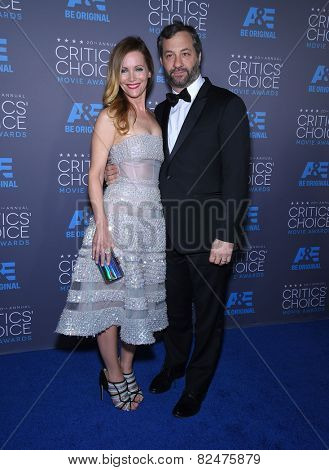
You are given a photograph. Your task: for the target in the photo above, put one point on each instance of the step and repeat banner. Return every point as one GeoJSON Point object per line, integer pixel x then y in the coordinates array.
{"type": "Point", "coordinates": [53, 64]}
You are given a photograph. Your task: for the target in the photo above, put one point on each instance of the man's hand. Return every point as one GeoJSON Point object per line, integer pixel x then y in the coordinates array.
{"type": "Point", "coordinates": [111, 173]}
{"type": "Point", "coordinates": [221, 252]}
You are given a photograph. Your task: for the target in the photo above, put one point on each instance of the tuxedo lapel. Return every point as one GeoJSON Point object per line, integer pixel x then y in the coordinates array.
{"type": "Point", "coordinates": [191, 118]}
{"type": "Point", "coordinates": [164, 125]}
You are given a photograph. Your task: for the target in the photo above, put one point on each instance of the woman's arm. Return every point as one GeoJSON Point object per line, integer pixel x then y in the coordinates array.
{"type": "Point", "coordinates": [102, 141]}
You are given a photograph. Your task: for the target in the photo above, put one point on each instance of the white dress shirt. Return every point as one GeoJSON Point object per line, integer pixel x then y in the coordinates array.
{"type": "Point", "coordinates": [179, 112]}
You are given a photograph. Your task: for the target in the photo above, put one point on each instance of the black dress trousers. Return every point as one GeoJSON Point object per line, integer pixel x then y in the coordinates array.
{"type": "Point", "coordinates": [192, 278]}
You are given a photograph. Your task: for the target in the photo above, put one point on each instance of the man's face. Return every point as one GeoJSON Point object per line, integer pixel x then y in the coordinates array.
{"type": "Point", "coordinates": [180, 61]}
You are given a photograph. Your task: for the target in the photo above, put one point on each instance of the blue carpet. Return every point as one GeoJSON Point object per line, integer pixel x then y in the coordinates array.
{"type": "Point", "coordinates": [278, 400]}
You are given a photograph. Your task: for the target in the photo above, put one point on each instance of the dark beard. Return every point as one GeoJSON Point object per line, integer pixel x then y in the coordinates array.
{"type": "Point", "coordinates": [191, 76]}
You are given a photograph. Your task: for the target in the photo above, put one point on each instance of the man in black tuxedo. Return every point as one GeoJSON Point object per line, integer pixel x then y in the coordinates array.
{"type": "Point", "coordinates": [203, 184]}
{"type": "Point", "coordinates": [204, 189]}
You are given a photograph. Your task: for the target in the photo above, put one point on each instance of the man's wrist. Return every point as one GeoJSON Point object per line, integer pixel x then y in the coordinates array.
{"type": "Point", "coordinates": [223, 241]}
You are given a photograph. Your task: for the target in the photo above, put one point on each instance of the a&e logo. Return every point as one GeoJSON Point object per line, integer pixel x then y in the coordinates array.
{"type": "Point", "coordinates": [259, 23]}
{"type": "Point", "coordinates": [5, 66]}
{"type": "Point", "coordinates": [251, 224]}
{"type": "Point", "coordinates": [86, 10]}
{"type": "Point", "coordinates": [78, 223]}
{"type": "Point", "coordinates": [8, 279]}
{"type": "Point", "coordinates": [160, 78]}
{"type": "Point", "coordinates": [6, 173]}
{"type": "Point", "coordinates": [307, 257]}
{"type": "Point", "coordinates": [320, 80]}
{"type": "Point", "coordinates": [80, 114]}
{"type": "Point", "coordinates": [315, 174]}
{"type": "Point", "coordinates": [257, 124]}
{"type": "Point", "coordinates": [240, 303]}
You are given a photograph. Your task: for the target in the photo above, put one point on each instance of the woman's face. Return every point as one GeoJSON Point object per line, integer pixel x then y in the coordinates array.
{"type": "Point", "coordinates": [134, 74]}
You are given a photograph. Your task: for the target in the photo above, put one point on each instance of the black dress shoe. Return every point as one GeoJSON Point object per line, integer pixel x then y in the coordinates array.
{"type": "Point", "coordinates": [163, 381]}
{"type": "Point", "coordinates": [188, 405]}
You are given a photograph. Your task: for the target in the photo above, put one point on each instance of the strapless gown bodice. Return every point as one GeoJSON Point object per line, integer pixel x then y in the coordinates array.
{"type": "Point", "coordinates": [138, 158]}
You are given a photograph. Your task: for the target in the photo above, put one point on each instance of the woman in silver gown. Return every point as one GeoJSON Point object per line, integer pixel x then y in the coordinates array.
{"type": "Point", "coordinates": [128, 217]}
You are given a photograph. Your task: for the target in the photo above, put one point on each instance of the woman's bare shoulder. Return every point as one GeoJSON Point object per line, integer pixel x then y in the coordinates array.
{"type": "Point", "coordinates": [105, 116]}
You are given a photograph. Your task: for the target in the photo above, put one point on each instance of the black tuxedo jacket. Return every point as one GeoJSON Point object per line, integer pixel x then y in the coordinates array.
{"type": "Point", "coordinates": [204, 180]}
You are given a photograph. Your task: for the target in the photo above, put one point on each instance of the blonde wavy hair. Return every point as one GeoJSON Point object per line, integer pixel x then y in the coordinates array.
{"type": "Point", "coordinates": [114, 99]}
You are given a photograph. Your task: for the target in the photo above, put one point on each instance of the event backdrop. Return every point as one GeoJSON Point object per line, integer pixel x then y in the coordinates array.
{"type": "Point", "coordinates": [53, 61]}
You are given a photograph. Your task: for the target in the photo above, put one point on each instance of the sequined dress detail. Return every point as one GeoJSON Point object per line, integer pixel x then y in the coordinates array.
{"type": "Point", "coordinates": [133, 208]}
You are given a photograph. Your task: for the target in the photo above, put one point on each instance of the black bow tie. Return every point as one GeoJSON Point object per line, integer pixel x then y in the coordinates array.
{"type": "Point", "coordinates": [173, 98]}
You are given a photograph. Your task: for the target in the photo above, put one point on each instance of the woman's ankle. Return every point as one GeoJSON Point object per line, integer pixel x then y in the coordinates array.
{"type": "Point", "coordinates": [126, 367]}
{"type": "Point", "coordinates": [114, 375]}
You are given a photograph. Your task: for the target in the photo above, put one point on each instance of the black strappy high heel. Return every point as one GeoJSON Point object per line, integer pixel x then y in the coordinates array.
{"type": "Point", "coordinates": [133, 387]}
{"type": "Point", "coordinates": [118, 392]}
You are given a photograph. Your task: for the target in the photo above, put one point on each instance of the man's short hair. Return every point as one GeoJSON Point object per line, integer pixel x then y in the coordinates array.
{"type": "Point", "coordinates": [177, 26]}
